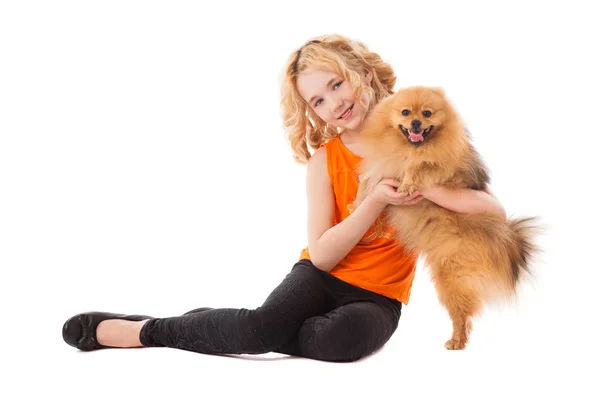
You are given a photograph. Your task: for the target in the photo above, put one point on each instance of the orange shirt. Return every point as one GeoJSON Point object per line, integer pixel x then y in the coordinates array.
{"type": "Point", "coordinates": [378, 262]}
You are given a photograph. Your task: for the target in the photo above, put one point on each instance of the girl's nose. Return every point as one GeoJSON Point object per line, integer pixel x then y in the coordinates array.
{"type": "Point", "coordinates": [337, 104]}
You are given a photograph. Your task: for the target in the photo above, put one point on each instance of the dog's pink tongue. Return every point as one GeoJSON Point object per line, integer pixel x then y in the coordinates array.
{"type": "Point", "coordinates": [416, 137]}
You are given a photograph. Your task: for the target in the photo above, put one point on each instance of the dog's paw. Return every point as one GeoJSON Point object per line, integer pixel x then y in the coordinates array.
{"type": "Point", "coordinates": [453, 344]}
{"type": "Point", "coordinates": [407, 188]}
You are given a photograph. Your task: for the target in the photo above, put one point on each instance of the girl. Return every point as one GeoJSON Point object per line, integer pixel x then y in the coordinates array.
{"type": "Point", "coordinates": [342, 300]}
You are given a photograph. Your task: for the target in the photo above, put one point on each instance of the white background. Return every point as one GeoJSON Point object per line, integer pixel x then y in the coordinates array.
{"type": "Point", "coordinates": [143, 169]}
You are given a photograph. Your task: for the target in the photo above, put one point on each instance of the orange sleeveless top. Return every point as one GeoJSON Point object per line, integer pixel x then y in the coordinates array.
{"type": "Point", "coordinates": [378, 262]}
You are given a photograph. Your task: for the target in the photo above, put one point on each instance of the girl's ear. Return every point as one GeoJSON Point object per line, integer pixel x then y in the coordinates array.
{"type": "Point", "coordinates": [368, 77]}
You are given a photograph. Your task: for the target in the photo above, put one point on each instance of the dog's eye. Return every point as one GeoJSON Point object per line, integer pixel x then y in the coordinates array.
{"type": "Point", "coordinates": [405, 112]}
{"type": "Point", "coordinates": [427, 113]}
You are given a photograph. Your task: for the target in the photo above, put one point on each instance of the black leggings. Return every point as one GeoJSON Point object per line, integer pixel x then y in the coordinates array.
{"type": "Point", "coordinates": [311, 314]}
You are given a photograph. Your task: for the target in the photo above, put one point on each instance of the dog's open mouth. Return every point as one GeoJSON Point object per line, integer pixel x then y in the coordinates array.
{"type": "Point", "coordinates": [416, 136]}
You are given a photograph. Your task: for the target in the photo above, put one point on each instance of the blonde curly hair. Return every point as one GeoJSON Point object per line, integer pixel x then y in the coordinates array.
{"type": "Point", "coordinates": [338, 54]}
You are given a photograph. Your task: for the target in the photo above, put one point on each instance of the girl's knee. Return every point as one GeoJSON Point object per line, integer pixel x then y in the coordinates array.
{"type": "Point", "coordinates": [333, 341]}
{"type": "Point", "coordinates": [307, 267]}
{"type": "Point", "coordinates": [347, 336]}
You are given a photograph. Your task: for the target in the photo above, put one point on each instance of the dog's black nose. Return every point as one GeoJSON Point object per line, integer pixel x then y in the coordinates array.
{"type": "Point", "coordinates": [416, 124]}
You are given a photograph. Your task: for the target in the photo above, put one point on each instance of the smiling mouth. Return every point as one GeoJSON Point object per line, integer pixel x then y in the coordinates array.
{"type": "Point", "coordinates": [416, 137]}
{"type": "Point", "coordinates": [347, 112]}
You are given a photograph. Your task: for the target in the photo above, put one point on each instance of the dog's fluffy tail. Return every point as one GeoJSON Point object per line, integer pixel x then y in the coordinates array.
{"type": "Point", "coordinates": [522, 247]}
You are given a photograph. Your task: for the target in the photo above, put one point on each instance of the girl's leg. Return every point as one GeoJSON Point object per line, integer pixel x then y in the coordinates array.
{"type": "Point", "coordinates": [347, 333]}
{"type": "Point", "coordinates": [301, 295]}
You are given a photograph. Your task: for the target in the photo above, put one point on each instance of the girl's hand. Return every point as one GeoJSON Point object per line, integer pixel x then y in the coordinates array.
{"type": "Point", "coordinates": [385, 193]}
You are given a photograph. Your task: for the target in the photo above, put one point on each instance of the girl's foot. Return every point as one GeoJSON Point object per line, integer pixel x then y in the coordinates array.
{"type": "Point", "coordinates": [98, 330]}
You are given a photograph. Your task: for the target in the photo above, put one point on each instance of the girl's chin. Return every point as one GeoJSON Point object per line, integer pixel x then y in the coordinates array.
{"type": "Point", "coordinates": [352, 125]}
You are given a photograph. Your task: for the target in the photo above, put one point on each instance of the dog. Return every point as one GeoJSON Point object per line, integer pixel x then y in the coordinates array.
{"type": "Point", "coordinates": [416, 137]}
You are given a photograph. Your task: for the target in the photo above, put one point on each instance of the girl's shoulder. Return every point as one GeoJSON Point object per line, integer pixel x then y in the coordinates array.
{"type": "Point", "coordinates": [317, 163]}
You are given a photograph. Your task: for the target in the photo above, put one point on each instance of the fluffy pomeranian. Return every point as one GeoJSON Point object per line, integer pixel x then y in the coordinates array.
{"type": "Point", "coordinates": [416, 137]}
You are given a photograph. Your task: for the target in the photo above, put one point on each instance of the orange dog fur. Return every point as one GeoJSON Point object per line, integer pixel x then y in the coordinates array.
{"type": "Point", "coordinates": [415, 136]}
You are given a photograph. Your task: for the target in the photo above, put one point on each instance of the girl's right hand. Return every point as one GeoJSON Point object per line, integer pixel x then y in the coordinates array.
{"type": "Point", "coordinates": [385, 193]}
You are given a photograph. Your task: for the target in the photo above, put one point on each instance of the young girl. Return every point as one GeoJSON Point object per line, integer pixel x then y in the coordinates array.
{"type": "Point", "coordinates": [342, 300]}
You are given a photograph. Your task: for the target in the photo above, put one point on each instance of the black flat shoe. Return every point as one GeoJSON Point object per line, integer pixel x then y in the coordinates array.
{"type": "Point", "coordinates": [80, 331]}
{"type": "Point", "coordinates": [197, 310]}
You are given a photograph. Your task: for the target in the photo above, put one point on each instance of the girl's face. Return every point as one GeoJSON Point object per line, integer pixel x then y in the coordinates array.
{"type": "Point", "coordinates": [331, 98]}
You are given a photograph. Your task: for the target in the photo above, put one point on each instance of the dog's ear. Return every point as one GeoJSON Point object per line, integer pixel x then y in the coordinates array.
{"type": "Point", "coordinates": [439, 90]}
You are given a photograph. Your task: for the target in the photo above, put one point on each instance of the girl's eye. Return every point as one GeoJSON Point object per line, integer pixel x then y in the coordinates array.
{"type": "Point", "coordinates": [337, 85]}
